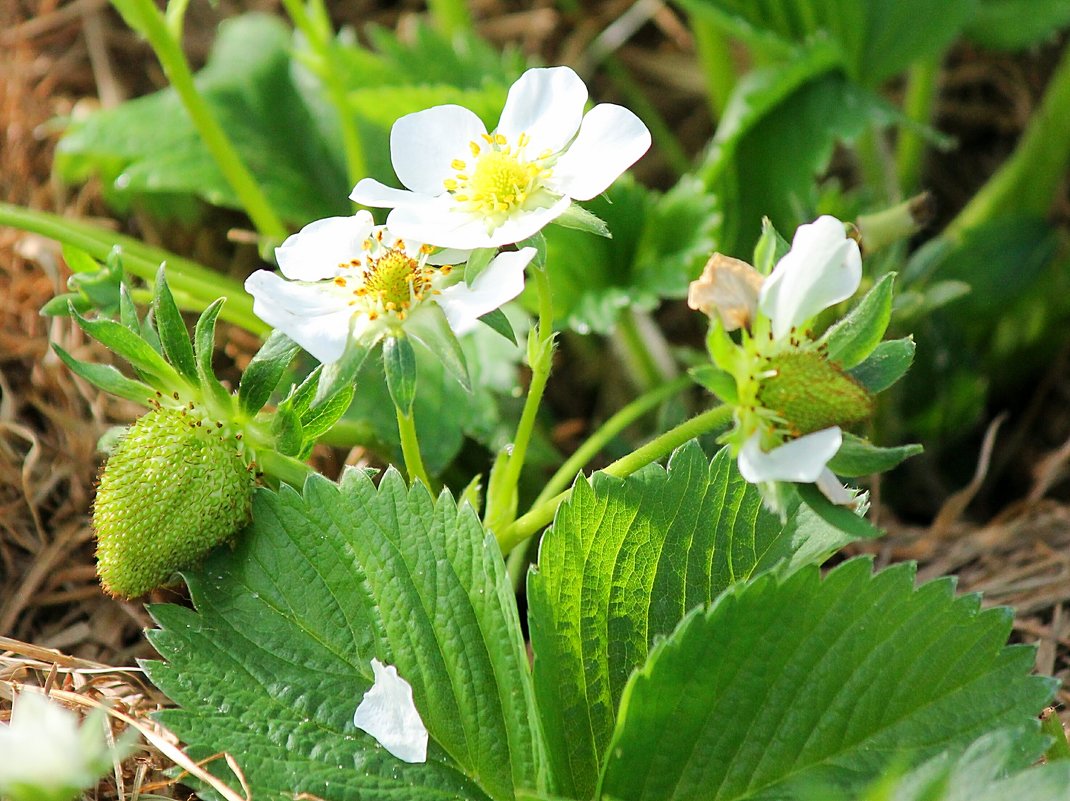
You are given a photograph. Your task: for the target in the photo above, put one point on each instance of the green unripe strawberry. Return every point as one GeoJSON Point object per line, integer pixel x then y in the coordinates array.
{"type": "Point", "coordinates": [174, 488]}
{"type": "Point", "coordinates": [811, 393]}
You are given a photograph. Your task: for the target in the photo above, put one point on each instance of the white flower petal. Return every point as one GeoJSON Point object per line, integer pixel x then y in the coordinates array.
{"type": "Point", "coordinates": [446, 227]}
{"type": "Point", "coordinates": [546, 104]}
{"type": "Point", "coordinates": [389, 714]}
{"type": "Point", "coordinates": [822, 268]}
{"type": "Point", "coordinates": [611, 139]}
{"type": "Point", "coordinates": [422, 145]}
{"type": "Point", "coordinates": [369, 192]}
{"type": "Point", "coordinates": [833, 489]}
{"type": "Point", "coordinates": [499, 283]}
{"type": "Point", "coordinates": [800, 460]}
{"type": "Point", "coordinates": [316, 251]}
{"type": "Point", "coordinates": [44, 746]}
{"type": "Point", "coordinates": [317, 320]}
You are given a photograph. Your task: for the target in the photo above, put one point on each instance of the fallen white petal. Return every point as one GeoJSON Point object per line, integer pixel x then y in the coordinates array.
{"type": "Point", "coordinates": [611, 139]}
{"type": "Point", "coordinates": [423, 146]}
{"type": "Point", "coordinates": [546, 104]}
{"type": "Point", "coordinates": [799, 460]}
{"type": "Point", "coordinates": [389, 714]}
{"type": "Point", "coordinates": [823, 267]}
{"type": "Point", "coordinates": [316, 251]}
{"type": "Point", "coordinates": [499, 283]}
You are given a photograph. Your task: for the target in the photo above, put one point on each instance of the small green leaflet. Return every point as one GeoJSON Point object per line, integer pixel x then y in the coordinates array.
{"type": "Point", "coordinates": [273, 662]}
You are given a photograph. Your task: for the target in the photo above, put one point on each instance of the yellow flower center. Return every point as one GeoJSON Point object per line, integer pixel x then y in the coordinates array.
{"type": "Point", "coordinates": [501, 178]}
{"type": "Point", "coordinates": [394, 281]}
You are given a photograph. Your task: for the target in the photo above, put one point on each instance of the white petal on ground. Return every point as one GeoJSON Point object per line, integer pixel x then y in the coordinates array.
{"type": "Point", "coordinates": [546, 104]}
{"type": "Point", "coordinates": [833, 489]}
{"type": "Point", "coordinates": [822, 268]}
{"type": "Point", "coordinates": [446, 227]}
{"type": "Point", "coordinates": [799, 460]}
{"type": "Point", "coordinates": [317, 320]}
{"type": "Point", "coordinates": [424, 144]}
{"type": "Point", "coordinates": [315, 252]}
{"type": "Point", "coordinates": [499, 283]}
{"type": "Point", "coordinates": [611, 139]}
{"type": "Point", "coordinates": [389, 714]}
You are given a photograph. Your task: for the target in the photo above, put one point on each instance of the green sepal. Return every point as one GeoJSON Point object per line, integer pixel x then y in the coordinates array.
{"type": "Point", "coordinates": [581, 219]}
{"type": "Point", "coordinates": [888, 362]}
{"type": "Point", "coordinates": [264, 371]}
{"type": "Point", "coordinates": [319, 418]}
{"type": "Point", "coordinates": [136, 350]}
{"type": "Point", "coordinates": [78, 260]}
{"type": "Point", "coordinates": [770, 248]}
{"type": "Point", "coordinates": [538, 241]}
{"type": "Point", "coordinates": [204, 346]}
{"type": "Point", "coordinates": [501, 500]}
{"type": "Point", "coordinates": [498, 321]}
{"type": "Point", "coordinates": [722, 349]}
{"type": "Point", "coordinates": [717, 381]}
{"type": "Point", "coordinates": [147, 331]}
{"type": "Point", "coordinates": [174, 338]}
{"type": "Point", "coordinates": [432, 330]}
{"type": "Point", "coordinates": [858, 457]}
{"type": "Point", "coordinates": [399, 364]}
{"type": "Point", "coordinates": [61, 305]}
{"type": "Point", "coordinates": [287, 431]}
{"type": "Point", "coordinates": [97, 285]}
{"type": "Point", "coordinates": [839, 517]}
{"type": "Point", "coordinates": [300, 396]}
{"type": "Point", "coordinates": [107, 378]}
{"type": "Point", "coordinates": [128, 310]}
{"type": "Point", "coordinates": [854, 337]}
{"type": "Point", "coordinates": [339, 376]}
{"type": "Point", "coordinates": [472, 494]}
{"type": "Point", "coordinates": [478, 261]}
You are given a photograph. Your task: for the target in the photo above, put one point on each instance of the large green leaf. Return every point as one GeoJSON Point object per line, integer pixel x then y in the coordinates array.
{"type": "Point", "coordinates": [149, 146]}
{"type": "Point", "coordinates": [788, 681]}
{"type": "Point", "coordinates": [659, 244]}
{"type": "Point", "coordinates": [622, 565]}
{"type": "Point", "coordinates": [273, 662]}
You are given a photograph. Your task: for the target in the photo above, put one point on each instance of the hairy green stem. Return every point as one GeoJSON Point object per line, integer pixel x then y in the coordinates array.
{"type": "Point", "coordinates": [715, 58]}
{"type": "Point", "coordinates": [451, 16]}
{"type": "Point", "coordinates": [608, 430]}
{"type": "Point", "coordinates": [194, 281]}
{"type": "Point", "coordinates": [1028, 180]}
{"type": "Point", "coordinates": [918, 103]}
{"type": "Point", "coordinates": [541, 515]}
{"type": "Point", "coordinates": [147, 20]}
{"type": "Point", "coordinates": [410, 448]}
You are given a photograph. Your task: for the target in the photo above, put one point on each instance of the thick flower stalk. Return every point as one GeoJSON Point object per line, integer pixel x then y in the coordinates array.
{"type": "Point", "coordinates": [467, 188]}
{"type": "Point", "coordinates": [792, 399]}
{"type": "Point", "coordinates": [346, 279]}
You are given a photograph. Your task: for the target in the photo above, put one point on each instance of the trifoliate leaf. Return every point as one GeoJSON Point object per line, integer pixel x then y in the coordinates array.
{"type": "Point", "coordinates": [274, 661]}
{"type": "Point", "coordinates": [623, 563]}
{"type": "Point", "coordinates": [174, 488]}
{"type": "Point", "coordinates": [784, 681]}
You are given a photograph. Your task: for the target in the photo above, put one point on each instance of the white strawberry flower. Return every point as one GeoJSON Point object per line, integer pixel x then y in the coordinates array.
{"type": "Point", "coordinates": [388, 713]}
{"type": "Point", "coordinates": [345, 278]}
{"type": "Point", "coordinates": [467, 188]}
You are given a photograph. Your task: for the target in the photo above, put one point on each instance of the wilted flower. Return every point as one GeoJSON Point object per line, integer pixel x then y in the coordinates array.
{"type": "Point", "coordinates": [347, 278]}
{"type": "Point", "coordinates": [471, 189]}
{"type": "Point", "coordinates": [728, 288]}
{"type": "Point", "coordinates": [388, 713]}
{"type": "Point", "coordinates": [46, 756]}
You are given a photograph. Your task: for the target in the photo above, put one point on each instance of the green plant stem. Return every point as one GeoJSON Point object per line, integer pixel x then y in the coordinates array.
{"type": "Point", "coordinates": [147, 20]}
{"type": "Point", "coordinates": [541, 515]}
{"type": "Point", "coordinates": [451, 16]}
{"type": "Point", "coordinates": [715, 57]}
{"type": "Point", "coordinates": [317, 29]}
{"type": "Point", "coordinates": [283, 468]}
{"type": "Point", "coordinates": [1028, 180]}
{"type": "Point", "coordinates": [193, 281]}
{"type": "Point", "coordinates": [608, 430]}
{"type": "Point", "coordinates": [918, 103]}
{"type": "Point", "coordinates": [410, 448]}
{"type": "Point", "coordinates": [649, 372]}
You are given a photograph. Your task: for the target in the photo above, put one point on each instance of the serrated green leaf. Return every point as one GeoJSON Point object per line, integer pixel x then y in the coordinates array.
{"type": "Point", "coordinates": [1017, 24]}
{"type": "Point", "coordinates": [107, 378]}
{"type": "Point", "coordinates": [888, 362]}
{"type": "Point", "coordinates": [787, 680]}
{"type": "Point", "coordinates": [855, 336]}
{"type": "Point", "coordinates": [265, 371]}
{"type": "Point", "coordinates": [622, 564]}
{"type": "Point", "coordinates": [272, 670]}
{"type": "Point", "coordinates": [141, 355]}
{"type": "Point", "coordinates": [857, 457]}
{"type": "Point", "coordinates": [399, 364]}
{"type": "Point", "coordinates": [498, 321]}
{"type": "Point", "coordinates": [204, 348]}
{"type": "Point", "coordinates": [174, 338]}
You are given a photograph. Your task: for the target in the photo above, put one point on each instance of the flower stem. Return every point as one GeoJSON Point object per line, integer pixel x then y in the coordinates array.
{"type": "Point", "coordinates": [633, 332]}
{"type": "Point", "coordinates": [543, 513]}
{"type": "Point", "coordinates": [451, 16]}
{"type": "Point", "coordinates": [143, 16]}
{"type": "Point", "coordinates": [194, 281]}
{"type": "Point", "coordinates": [613, 426]}
{"type": "Point", "coordinates": [284, 468]}
{"type": "Point", "coordinates": [410, 448]}
{"type": "Point", "coordinates": [711, 45]}
{"type": "Point", "coordinates": [918, 105]}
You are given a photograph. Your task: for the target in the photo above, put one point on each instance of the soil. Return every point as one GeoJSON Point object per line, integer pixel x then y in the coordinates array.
{"type": "Point", "coordinates": [60, 58]}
